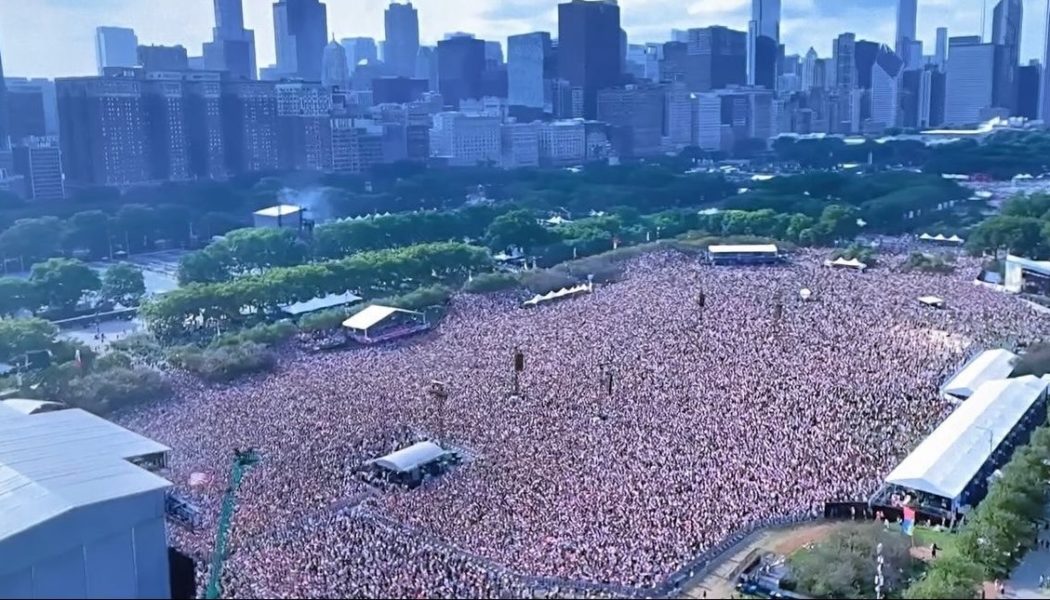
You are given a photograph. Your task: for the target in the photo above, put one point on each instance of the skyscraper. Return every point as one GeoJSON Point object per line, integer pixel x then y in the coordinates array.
{"type": "Point", "coordinates": [461, 63]}
{"type": "Point", "coordinates": [716, 58]}
{"type": "Point", "coordinates": [5, 111]}
{"type": "Point", "coordinates": [115, 47]}
{"type": "Point", "coordinates": [941, 52]}
{"type": "Point", "coordinates": [335, 72]}
{"type": "Point", "coordinates": [163, 58]}
{"type": "Point", "coordinates": [588, 43]}
{"type": "Point", "coordinates": [26, 108]}
{"type": "Point", "coordinates": [249, 115]}
{"type": "Point", "coordinates": [300, 33]}
{"type": "Point", "coordinates": [906, 17]}
{"type": "Point", "coordinates": [1006, 33]}
{"type": "Point", "coordinates": [885, 88]}
{"type": "Point", "coordinates": [844, 55]}
{"type": "Point", "coordinates": [763, 43]}
{"type": "Point", "coordinates": [864, 54]}
{"type": "Point", "coordinates": [232, 48]}
{"type": "Point", "coordinates": [402, 39]}
{"type": "Point", "coordinates": [970, 80]}
{"type": "Point", "coordinates": [358, 49]}
{"type": "Point", "coordinates": [527, 77]}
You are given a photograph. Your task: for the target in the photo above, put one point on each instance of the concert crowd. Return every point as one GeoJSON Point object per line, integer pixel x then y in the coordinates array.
{"type": "Point", "coordinates": [758, 405]}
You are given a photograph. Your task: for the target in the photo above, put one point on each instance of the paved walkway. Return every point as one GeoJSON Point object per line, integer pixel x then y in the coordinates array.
{"type": "Point", "coordinates": [1024, 582]}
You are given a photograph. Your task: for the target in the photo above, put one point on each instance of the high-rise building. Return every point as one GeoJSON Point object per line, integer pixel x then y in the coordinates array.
{"type": "Point", "coordinates": [493, 54]}
{"type": "Point", "coordinates": [39, 161]}
{"type": "Point", "coordinates": [427, 66]}
{"type": "Point", "coordinates": [205, 125]}
{"type": "Point", "coordinates": [461, 64]}
{"type": "Point", "coordinates": [941, 52]}
{"type": "Point", "coordinates": [844, 51]}
{"type": "Point", "coordinates": [680, 109]}
{"type": "Point", "coordinates": [907, 11]}
{"type": "Point", "coordinates": [528, 79]}
{"type": "Point", "coordinates": [249, 117]}
{"type": "Point", "coordinates": [167, 149]}
{"type": "Point", "coordinates": [970, 80]}
{"type": "Point", "coordinates": [587, 30]}
{"type": "Point", "coordinates": [520, 145]}
{"type": "Point", "coordinates": [115, 47]}
{"type": "Point", "coordinates": [885, 89]}
{"type": "Point", "coordinates": [635, 117]}
{"type": "Point", "coordinates": [402, 39]}
{"type": "Point", "coordinates": [26, 111]}
{"type": "Point", "coordinates": [163, 58]}
{"type": "Point", "coordinates": [716, 58]}
{"type": "Point", "coordinates": [466, 140]}
{"type": "Point", "coordinates": [304, 126]}
{"type": "Point", "coordinates": [104, 131]}
{"type": "Point", "coordinates": [1006, 33]}
{"type": "Point", "coordinates": [931, 98]}
{"type": "Point", "coordinates": [809, 67]}
{"type": "Point", "coordinates": [864, 59]}
{"type": "Point", "coordinates": [1028, 78]}
{"type": "Point", "coordinates": [5, 111]}
{"type": "Point", "coordinates": [563, 142]}
{"type": "Point", "coordinates": [674, 66]}
{"type": "Point", "coordinates": [300, 33]}
{"type": "Point", "coordinates": [763, 43]}
{"type": "Point", "coordinates": [335, 73]}
{"type": "Point", "coordinates": [358, 49]}
{"type": "Point", "coordinates": [232, 48]}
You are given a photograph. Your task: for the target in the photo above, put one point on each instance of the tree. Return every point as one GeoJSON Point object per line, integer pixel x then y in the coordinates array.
{"type": "Point", "coordinates": [950, 577]}
{"type": "Point", "coordinates": [840, 221]}
{"type": "Point", "coordinates": [1018, 235]}
{"type": "Point", "coordinates": [31, 239]}
{"type": "Point", "coordinates": [123, 284]}
{"type": "Point", "coordinates": [18, 336]}
{"type": "Point", "coordinates": [843, 565]}
{"type": "Point", "coordinates": [88, 230]}
{"type": "Point", "coordinates": [17, 294]}
{"type": "Point", "coordinates": [63, 282]}
{"type": "Point", "coordinates": [517, 228]}
{"type": "Point", "coordinates": [136, 223]}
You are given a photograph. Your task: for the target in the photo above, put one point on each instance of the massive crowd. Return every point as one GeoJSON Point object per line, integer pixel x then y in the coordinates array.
{"type": "Point", "coordinates": [718, 418]}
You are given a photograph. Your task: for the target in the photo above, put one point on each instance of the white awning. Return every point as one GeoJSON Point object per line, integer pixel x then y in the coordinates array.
{"type": "Point", "coordinates": [946, 461]}
{"type": "Point", "coordinates": [372, 316]}
{"type": "Point", "coordinates": [409, 458]}
{"type": "Point", "coordinates": [743, 249]}
{"type": "Point", "coordinates": [562, 293]}
{"type": "Point", "coordinates": [320, 303]}
{"type": "Point", "coordinates": [281, 210]}
{"type": "Point", "coordinates": [986, 366]}
{"type": "Point", "coordinates": [933, 301]}
{"type": "Point", "coordinates": [851, 263]}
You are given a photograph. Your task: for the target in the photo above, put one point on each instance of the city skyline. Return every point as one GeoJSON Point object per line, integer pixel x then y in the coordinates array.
{"type": "Point", "coordinates": [27, 33]}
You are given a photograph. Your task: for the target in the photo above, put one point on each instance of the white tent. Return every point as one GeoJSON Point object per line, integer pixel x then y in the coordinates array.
{"type": "Point", "coordinates": [986, 366]}
{"type": "Point", "coordinates": [933, 301]}
{"type": "Point", "coordinates": [946, 461]}
{"type": "Point", "coordinates": [372, 316]}
{"type": "Point", "coordinates": [412, 457]}
{"type": "Point", "coordinates": [555, 295]}
{"type": "Point", "coordinates": [925, 237]}
{"type": "Point", "coordinates": [851, 263]}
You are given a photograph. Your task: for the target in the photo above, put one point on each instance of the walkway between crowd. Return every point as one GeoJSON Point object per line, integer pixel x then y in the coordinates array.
{"type": "Point", "coordinates": [1025, 582]}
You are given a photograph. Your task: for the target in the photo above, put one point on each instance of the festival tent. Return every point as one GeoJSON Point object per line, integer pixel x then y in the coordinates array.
{"type": "Point", "coordinates": [986, 366]}
{"type": "Point", "coordinates": [556, 295]}
{"type": "Point", "coordinates": [947, 461]}
{"type": "Point", "coordinates": [374, 315]}
{"type": "Point", "coordinates": [412, 457]}
{"type": "Point", "coordinates": [933, 301]}
{"type": "Point", "coordinates": [851, 263]}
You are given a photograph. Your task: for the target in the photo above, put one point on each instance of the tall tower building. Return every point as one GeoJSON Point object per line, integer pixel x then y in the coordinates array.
{"type": "Point", "coordinates": [115, 47]}
{"type": "Point", "coordinates": [970, 86]}
{"type": "Point", "coordinates": [907, 11]}
{"type": "Point", "coordinates": [763, 43]}
{"type": "Point", "coordinates": [588, 43]}
{"type": "Point", "coordinates": [885, 88]}
{"type": "Point", "coordinates": [461, 64]}
{"type": "Point", "coordinates": [844, 55]}
{"type": "Point", "coordinates": [232, 48]}
{"type": "Point", "coordinates": [358, 49]}
{"type": "Point", "coordinates": [335, 72]}
{"type": "Point", "coordinates": [941, 52]}
{"type": "Point", "coordinates": [527, 77]}
{"type": "Point", "coordinates": [5, 112]}
{"type": "Point", "coordinates": [1006, 34]}
{"type": "Point", "coordinates": [301, 34]}
{"type": "Point", "coordinates": [402, 39]}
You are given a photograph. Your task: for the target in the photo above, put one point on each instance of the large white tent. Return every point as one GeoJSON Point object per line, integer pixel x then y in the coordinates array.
{"type": "Point", "coordinates": [412, 457]}
{"type": "Point", "coordinates": [947, 461]}
{"type": "Point", "coordinates": [986, 366]}
{"type": "Point", "coordinates": [374, 315]}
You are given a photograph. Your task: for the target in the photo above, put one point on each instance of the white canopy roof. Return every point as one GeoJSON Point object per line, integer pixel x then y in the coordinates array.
{"type": "Point", "coordinates": [562, 293]}
{"type": "Point", "coordinates": [320, 303]}
{"type": "Point", "coordinates": [281, 210]}
{"type": "Point", "coordinates": [29, 407]}
{"type": "Point", "coordinates": [852, 263]}
{"type": "Point", "coordinates": [986, 366]}
{"type": "Point", "coordinates": [743, 249]}
{"type": "Point", "coordinates": [946, 461]}
{"type": "Point", "coordinates": [372, 316]}
{"type": "Point", "coordinates": [406, 459]}
{"type": "Point", "coordinates": [932, 301]}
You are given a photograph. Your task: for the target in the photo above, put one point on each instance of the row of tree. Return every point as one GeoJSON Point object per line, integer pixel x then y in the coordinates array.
{"type": "Point", "coordinates": [56, 286]}
{"type": "Point", "coordinates": [999, 532]}
{"type": "Point", "coordinates": [1021, 228]}
{"type": "Point", "coordinates": [210, 306]}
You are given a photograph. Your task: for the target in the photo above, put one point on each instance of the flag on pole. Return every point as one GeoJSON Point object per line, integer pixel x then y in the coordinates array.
{"type": "Point", "coordinates": [76, 359]}
{"type": "Point", "coordinates": [616, 243]}
{"type": "Point", "coordinates": [908, 524]}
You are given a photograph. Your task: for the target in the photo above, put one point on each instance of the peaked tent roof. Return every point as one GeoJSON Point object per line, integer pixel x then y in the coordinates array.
{"type": "Point", "coordinates": [946, 461]}
{"type": "Point", "coordinates": [409, 458]}
{"type": "Point", "coordinates": [372, 316]}
{"type": "Point", "coordinates": [986, 366]}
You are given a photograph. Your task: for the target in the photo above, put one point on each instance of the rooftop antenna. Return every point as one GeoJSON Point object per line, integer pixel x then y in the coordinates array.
{"type": "Point", "coordinates": [984, 19]}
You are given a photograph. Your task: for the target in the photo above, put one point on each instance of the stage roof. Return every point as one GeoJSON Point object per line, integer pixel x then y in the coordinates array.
{"type": "Point", "coordinates": [743, 249]}
{"type": "Point", "coordinates": [372, 316]}
{"type": "Point", "coordinates": [28, 407]}
{"type": "Point", "coordinates": [52, 463]}
{"type": "Point", "coordinates": [946, 461]}
{"type": "Point", "coordinates": [320, 303]}
{"type": "Point", "coordinates": [986, 366]}
{"type": "Point", "coordinates": [409, 458]}
{"type": "Point", "coordinates": [281, 210]}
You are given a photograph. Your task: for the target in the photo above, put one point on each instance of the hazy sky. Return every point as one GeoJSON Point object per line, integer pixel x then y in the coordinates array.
{"type": "Point", "coordinates": [55, 37]}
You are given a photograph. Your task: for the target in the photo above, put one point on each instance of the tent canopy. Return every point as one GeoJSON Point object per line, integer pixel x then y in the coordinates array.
{"type": "Point", "coordinates": [743, 249]}
{"type": "Point", "coordinates": [851, 263]}
{"type": "Point", "coordinates": [946, 461]}
{"type": "Point", "coordinates": [319, 303]}
{"type": "Point", "coordinates": [373, 315]}
{"type": "Point", "coordinates": [986, 366]}
{"type": "Point", "coordinates": [412, 457]}
{"type": "Point", "coordinates": [562, 293]}
{"type": "Point", "coordinates": [933, 301]}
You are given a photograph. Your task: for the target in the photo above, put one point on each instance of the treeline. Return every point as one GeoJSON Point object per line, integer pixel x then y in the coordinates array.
{"type": "Point", "coordinates": [1021, 228]}
{"type": "Point", "coordinates": [56, 287]}
{"type": "Point", "coordinates": [211, 306]}
{"type": "Point", "coordinates": [998, 533]}
{"type": "Point", "coordinates": [1000, 156]}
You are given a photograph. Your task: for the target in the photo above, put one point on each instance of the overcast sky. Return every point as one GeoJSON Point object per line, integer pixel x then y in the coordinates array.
{"type": "Point", "coordinates": [52, 38]}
